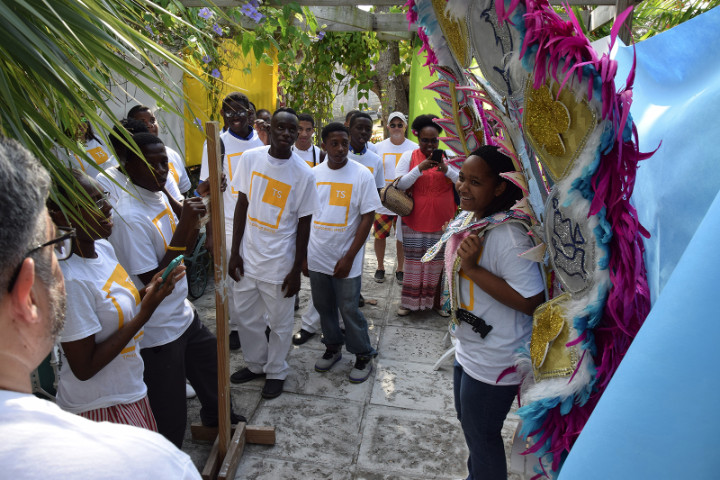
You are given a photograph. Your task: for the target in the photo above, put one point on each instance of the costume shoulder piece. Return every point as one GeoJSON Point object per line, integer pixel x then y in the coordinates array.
{"type": "Point", "coordinates": [539, 92]}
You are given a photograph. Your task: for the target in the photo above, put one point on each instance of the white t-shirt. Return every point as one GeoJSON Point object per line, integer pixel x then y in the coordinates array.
{"type": "Point", "coordinates": [280, 192]}
{"type": "Point", "coordinates": [100, 299]}
{"type": "Point", "coordinates": [371, 146]}
{"type": "Point", "coordinates": [307, 155]}
{"type": "Point", "coordinates": [99, 154]}
{"type": "Point", "coordinates": [373, 163]}
{"type": "Point", "coordinates": [116, 192]}
{"type": "Point", "coordinates": [144, 226]}
{"type": "Point", "coordinates": [345, 194]}
{"type": "Point", "coordinates": [42, 441]}
{"type": "Point", "coordinates": [486, 359]}
{"type": "Point", "coordinates": [234, 149]}
{"type": "Point", "coordinates": [390, 155]}
{"type": "Point", "coordinates": [177, 170]}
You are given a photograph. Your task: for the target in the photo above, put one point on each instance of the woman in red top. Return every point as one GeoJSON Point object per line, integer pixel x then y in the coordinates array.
{"type": "Point", "coordinates": [430, 181]}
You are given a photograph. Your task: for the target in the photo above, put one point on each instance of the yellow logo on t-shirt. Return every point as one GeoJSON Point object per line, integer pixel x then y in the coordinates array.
{"type": "Point", "coordinates": [471, 292]}
{"type": "Point", "coordinates": [275, 194]}
{"type": "Point", "coordinates": [388, 157]}
{"type": "Point", "coordinates": [340, 196]}
{"type": "Point", "coordinates": [98, 154]}
{"type": "Point", "coordinates": [174, 173]}
{"type": "Point", "coordinates": [120, 278]}
{"type": "Point", "coordinates": [156, 221]}
{"type": "Point", "coordinates": [232, 160]}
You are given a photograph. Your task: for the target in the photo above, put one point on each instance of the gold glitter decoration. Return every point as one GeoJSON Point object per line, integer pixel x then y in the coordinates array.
{"type": "Point", "coordinates": [546, 120]}
{"type": "Point", "coordinates": [557, 128]}
{"type": "Point", "coordinates": [548, 352]}
{"type": "Point", "coordinates": [455, 33]}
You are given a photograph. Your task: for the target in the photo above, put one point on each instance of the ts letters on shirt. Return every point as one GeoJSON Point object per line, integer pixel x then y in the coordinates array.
{"type": "Point", "coordinates": [144, 226]}
{"type": "Point", "coordinates": [100, 299]}
{"type": "Point", "coordinates": [373, 163]}
{"type": "Point", "coordinates": [279, 192]}
{"type": "Point", "coordinates": [345, 194]}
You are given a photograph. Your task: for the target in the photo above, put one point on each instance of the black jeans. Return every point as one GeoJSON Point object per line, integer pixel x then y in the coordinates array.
{"type": "Point", "coordinates": [481, 409]}
{"type": "Point", "coordinates": [193, 356]}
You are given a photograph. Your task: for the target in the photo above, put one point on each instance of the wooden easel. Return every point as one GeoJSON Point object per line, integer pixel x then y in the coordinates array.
{"type": "Point", "coordinates": [225, 454]}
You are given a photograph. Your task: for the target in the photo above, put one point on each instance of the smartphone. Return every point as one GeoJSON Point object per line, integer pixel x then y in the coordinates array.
{"type": "Point", "coordinates": [171, 267]}
{"type": "Point", "coordinates": [437, 156]}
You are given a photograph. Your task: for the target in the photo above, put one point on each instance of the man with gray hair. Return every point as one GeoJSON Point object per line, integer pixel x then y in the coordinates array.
{"type": "Point", "coordinates": [39, 440]}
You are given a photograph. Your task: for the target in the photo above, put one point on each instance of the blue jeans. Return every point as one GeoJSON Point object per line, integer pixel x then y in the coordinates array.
{"type": "Point", "coordinates": [330, 294]}
{"type": "Point", "coordinates": [481, 409]}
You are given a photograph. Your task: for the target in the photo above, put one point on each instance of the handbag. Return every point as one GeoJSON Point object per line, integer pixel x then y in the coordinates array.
{"type": "Point", "coordinates": [396, 200]}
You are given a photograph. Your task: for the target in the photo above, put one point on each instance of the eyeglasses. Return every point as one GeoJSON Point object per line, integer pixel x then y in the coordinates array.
{"type": "Point", "coordinates": [396, 125]}
{"type": "Point", "coordinates": [235, 113]}
{"type": "Point", "coordinates": [429, 140]}
{"type": "Point", "coordinates": [63, 250]}
{"type": "Point", "coordinates": [100, 202]}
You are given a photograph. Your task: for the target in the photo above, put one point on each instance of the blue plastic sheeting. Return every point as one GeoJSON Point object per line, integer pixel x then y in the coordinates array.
{"type": "Point", "coordinates": [658, 418]}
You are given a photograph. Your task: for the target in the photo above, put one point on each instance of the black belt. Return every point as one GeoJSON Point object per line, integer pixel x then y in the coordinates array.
{"type": "Point", "coordinates": [478, 324]}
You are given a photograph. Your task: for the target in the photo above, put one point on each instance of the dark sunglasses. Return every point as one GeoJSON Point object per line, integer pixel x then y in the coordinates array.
{"type": "Point", "coordinates": [396, 125]}
{"type": "Point", "coordinates": [235, 113]}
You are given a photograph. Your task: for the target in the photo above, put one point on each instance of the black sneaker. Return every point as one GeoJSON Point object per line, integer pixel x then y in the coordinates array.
{"type": "Point", "coordinates": [379, 276]}
{"type": "Point", "coordinates": [273, 388]}
{"type": "Point", "coordinates": [245, 375]}
{"type": "Point", "coordinates": [234, 340]}
{"type": "Point", "coordinates": [302, 336]}
{"type": "Point", "coordinates": [361, 303]}
{"type": "Point", "coordinates": [362, 369]}
{"type": "Point", "coordinates": [329, 358]}
{"type": "Point", "coordinates": [399, 277]}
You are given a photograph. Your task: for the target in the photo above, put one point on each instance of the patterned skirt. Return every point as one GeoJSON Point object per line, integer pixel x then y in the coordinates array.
{"type": "Point", "coordinates": [421, 283]}
{"type": "Point", "coordinates": [137, 414]}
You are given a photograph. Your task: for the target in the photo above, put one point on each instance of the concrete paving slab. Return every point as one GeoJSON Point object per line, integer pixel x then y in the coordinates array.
{"type": "Point", "coordinates": [317, 430]}
{"type": "Point", "coordinates": [420, 345]}
{"type": "Point", "coordinates": [263, 468]}
{"type": "Point", "coordinates": [404, 442]}
{"type": "Point", "coordinates": [413, 386]}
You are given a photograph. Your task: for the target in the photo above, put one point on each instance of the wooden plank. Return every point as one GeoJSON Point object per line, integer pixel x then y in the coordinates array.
{"type": "Point", "coordinates": [302, 3]}
{"type": "Point", "coordinates": [601, 15]}
{"type": "Point", "coordinates": [339, 18]}
{"type": "Point", "coordinates": [217, 214]}
{"type": "Point", "coordinates": [212, 466]}
{"type": "Point", "coordinates": [256, 434]}
{"type": "Point", "coordinates": [232, 459]}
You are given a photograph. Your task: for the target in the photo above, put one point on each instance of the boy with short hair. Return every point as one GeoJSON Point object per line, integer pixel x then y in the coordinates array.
{"type": "Point", "coordinates": [276, 201]}
{"type": "Point", "coordinates": [147, 236]}
{"type": "Point", "coordinates": [360, 131]}
{"type": "Point", "coordinates": [348, 200]}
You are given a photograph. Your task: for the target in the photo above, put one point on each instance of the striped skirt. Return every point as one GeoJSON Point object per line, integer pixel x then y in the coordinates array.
{"type": "Point", "coordinates": [137, 414]}
{"type": "Point", "coordinates": [421, 282]}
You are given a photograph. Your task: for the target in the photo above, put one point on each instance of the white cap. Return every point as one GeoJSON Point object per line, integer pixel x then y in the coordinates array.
{"type": "Point", "coordinates": [399, 115]}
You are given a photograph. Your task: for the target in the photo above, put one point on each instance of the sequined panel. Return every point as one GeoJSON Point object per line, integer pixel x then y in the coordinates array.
{"type": "Point", "coordinates": [571, 246]}
{"type": "Point", "coordinates": [454, 32]}
{"type": "Point", "coordinates": [551, 357]}
{"type": "Point", "coordinates": [556, 128]}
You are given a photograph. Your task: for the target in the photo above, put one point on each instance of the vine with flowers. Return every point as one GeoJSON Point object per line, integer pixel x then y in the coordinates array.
{"type": "Point", "coordinates": [314, 66]}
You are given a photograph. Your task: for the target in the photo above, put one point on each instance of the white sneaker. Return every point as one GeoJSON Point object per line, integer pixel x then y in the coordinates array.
{"type": "Point", "coordinates": [326, 362]}
{"type": "Point", "coordinates": [189, 391]}
{"type": "Point", "coordinates": [362, 369]}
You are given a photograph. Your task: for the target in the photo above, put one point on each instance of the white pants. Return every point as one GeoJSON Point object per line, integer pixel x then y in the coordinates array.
{"type": "Point", "coordinates": [259, 304]}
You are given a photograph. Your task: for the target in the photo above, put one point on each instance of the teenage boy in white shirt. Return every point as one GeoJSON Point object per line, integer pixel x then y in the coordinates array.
{"type": "Point", "coordinates": [147, 236]}
{"type": "Point", "coordinates": [237, 139]}
{"type": "Point", "coordinates": [348, 200]}
{"type": "Point", "coordinates": [390, 150]}
{"type": "Point", "coordinates": [276, 201]}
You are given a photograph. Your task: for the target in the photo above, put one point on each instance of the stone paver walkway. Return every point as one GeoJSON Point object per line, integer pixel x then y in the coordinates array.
{"type": "Point", "coordinates": [400, 424]}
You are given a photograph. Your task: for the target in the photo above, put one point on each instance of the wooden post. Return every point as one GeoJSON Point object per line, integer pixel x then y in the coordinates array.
{"type": "Point", "coordinates": [217, 215]}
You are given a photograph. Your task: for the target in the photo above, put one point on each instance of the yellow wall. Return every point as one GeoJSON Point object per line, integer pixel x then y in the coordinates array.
{"type": "Point", "coordinates": [260, 85]}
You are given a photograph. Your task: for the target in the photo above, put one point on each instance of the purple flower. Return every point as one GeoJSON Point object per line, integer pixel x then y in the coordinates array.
{"type": "Point", "coordinates": [250, 10]}
{"type": "Point", "coordinates": [205, 13]}
{"type": "Point", "coordinates": [215, 73]}
{"type": "Point", "coordinates": [217, 29]}
{"type": "Point", "coordinates": [257, 16]}
{"type": "Point", "coordinates": [198, 123]}
{"type": "Point", "coordinates": [207, 59]}
{"type": "Point", "coordinates": [321, 34]}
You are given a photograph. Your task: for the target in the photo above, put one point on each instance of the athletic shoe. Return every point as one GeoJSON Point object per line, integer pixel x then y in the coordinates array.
{"type": "Point", "coordinates": [441, 312]}
{"type": "Point", "coordinates": [399, 277]}
{"type": "Point", "coordinates": [362, 369]}
{"type": "Point", "coordinates": [401, 311]}
{"type": "Point", "coordinates": [326, 362]}
{"type": "Point", "coordinates": [379, 276]}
